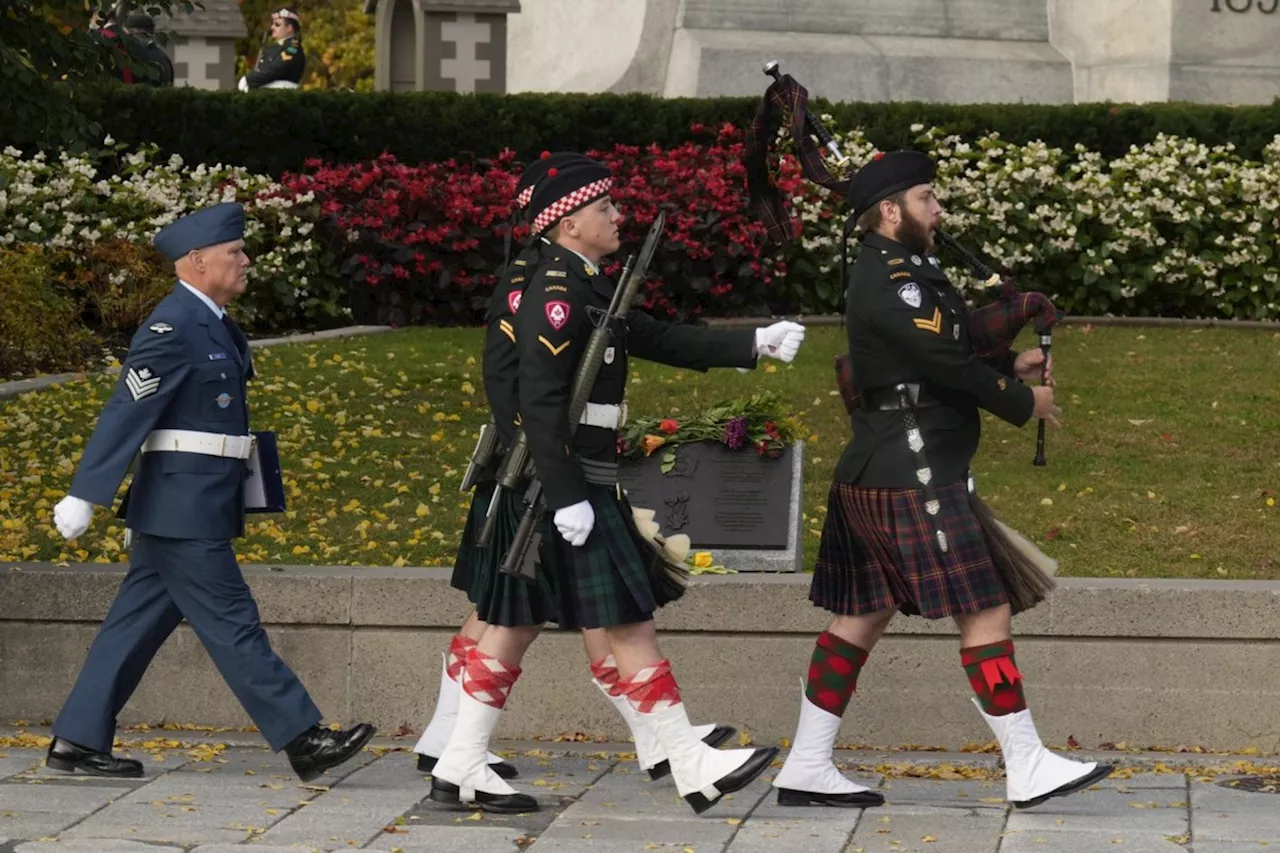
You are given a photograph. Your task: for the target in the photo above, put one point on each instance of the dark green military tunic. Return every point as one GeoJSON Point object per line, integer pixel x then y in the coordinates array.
{"type": "Point", "coordinates": [615, 578]}
{"type": "Point", "coordinates": [908, 324]}
{"type": "Point", "coordinates": [498, 598]}
{"type": "Point", "coordinates": [284, 60]}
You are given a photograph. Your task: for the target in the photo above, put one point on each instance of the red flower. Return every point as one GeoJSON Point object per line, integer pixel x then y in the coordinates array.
{"type": "Point", "coordinates": [771, 430]}
{"type": "Point", "coordinates": [669, 426]}
{"type": "Point", "coordinates": [762, 447]}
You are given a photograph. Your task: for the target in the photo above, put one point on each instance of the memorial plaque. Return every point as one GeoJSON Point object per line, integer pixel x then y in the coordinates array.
{"type": "Point", "coordinates": [719, 497]}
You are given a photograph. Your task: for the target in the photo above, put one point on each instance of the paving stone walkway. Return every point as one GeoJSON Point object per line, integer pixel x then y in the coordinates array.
{"type": "Point", "coordinates": [207, 796]}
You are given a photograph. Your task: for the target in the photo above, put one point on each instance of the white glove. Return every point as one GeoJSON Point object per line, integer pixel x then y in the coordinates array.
{"type": "Point", "coordinates": [781, 340]}
{"type": "Point", "coordinates": [72, 516]}
{"type": "Point", "coordinates": [243, 86]}
{"type": "Point", "coordinates": [575, 522]}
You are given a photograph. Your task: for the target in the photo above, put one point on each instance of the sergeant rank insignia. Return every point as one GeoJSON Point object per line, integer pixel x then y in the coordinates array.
{"type": "Point", "coordinates": [141, 382]}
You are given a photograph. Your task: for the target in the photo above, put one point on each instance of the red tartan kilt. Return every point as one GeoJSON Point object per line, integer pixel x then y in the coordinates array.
{"type": "Point", "coordinates": [879, 552]}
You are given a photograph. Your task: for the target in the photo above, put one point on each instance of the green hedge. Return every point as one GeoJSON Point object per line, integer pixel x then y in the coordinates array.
{"type": "Point", "coordinates": [273, 131]}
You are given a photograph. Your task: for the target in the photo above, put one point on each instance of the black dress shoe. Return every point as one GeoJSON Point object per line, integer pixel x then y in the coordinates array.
{"type": "Point", "coordinates": [319, 749]}
{"type": "Point", "coordinates": [851, 800]}
{"type": "Point", "coordinates": [69, 757]}
{"type": "Point", "coordinates": [447, 793]}
{"type": "Point", "coordinates": [1096, 775]}
{"type": "Point", "coordinates": [737, 780]}
{"type": "Point", "coordinates": [715, 737]}
{"type": "Point", "coordinates": [427, 763]}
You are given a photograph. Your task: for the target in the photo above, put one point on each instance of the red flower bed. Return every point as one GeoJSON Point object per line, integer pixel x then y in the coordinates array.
{"type": "Point", "coordinates": [424, 243]}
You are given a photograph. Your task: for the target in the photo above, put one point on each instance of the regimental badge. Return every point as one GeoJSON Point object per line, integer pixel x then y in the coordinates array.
{"type": "Point", "coordinates": [608, 355]}
{"type": "Point", "coordinates": [915, 259]}
{"type": "Point", "coordinates": [160, 328]}
{"type": "Point", "coordinates": [141, 382]}
{"type": "Point", "coordinates": [1001, 383]}
{"type": "Point", "coordinates": [223, 400]}
{"type": "Point", "coordinates": [557, 314]}
{"type": "Point", "coordinates": [910, 294]}
{"type": "Point", "coordinates": [513, 300]}
{"type": "Point", "coordinates": [933, 260]}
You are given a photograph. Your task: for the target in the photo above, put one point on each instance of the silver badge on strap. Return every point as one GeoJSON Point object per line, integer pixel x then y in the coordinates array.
{"type": "Point", "coordinates": [924, 475]}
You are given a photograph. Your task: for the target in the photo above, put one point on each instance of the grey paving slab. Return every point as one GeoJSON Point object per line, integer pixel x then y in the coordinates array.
{"type": "Point", "coordinates": [946, 831]}
{"type": "Point", "coordinates": [447, 839]}
{"type": "Point", "coordinates": [57, 798]}
{"type": "Point", "coordinates": [1226, 814]}
{"type": "Point", "coordinates": [30, 825]}
{"type": "Point", "coordinates": [770, 835]}
{"type": "Point", "coordinates": [627, 793]}
{"type": "Point", "coordinates": [1158, 811]}
{"type": "Point", "coordinates": [1097, 842]}
{"type": "Point", "coordinates": [96, 845]}
{"type": "Point", "coordinates": [249, 761]}
{"type": "Point", "coordinates": [967, 794]}
{"type": "Point", "coordinates": [195, 790]}
{"type": "Point", "coordinates": [1230, 847]}
{"type": "Point", "coordinates": [1146, 780]}
{"type": "Point", "coordinates": [13, 763]}
{"type": "Point", "coordinates": [624, 836]}
{"type": "Point", "coordinates": [174, 824]}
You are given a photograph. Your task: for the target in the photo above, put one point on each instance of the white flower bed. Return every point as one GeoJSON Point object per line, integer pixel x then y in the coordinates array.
{"type": "Point", "coordinates": [67, 203]}
{"type": "Point", "coordinates": [1171, 228]}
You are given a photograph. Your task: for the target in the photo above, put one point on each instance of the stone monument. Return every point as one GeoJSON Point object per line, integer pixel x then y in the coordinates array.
{"type": "Point", "coordinates": [441, 45]}
{"type": "Point", "coordinates": [951, 51]}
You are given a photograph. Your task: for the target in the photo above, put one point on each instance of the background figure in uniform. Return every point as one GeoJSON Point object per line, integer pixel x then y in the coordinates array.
{"type": "Point", "coordinates": [900, 532]}
{"type": "Point", "coordinates": [141, 29]}
{"type": "Point", "coordinates": [600, 572]}
{"type": "Point", "coordinates": [180, 400]}
{"type": "Point", "coordinates": [476, 569]}
{"type": "Point", "coordinates": [282, 63]}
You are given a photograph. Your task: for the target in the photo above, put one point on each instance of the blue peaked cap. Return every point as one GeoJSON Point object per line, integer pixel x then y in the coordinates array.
{"type": "Point", "coordinates": [221, 223]}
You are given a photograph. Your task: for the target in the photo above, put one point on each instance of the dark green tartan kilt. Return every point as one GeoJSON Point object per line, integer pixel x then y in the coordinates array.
{"type": "Point", "coordinates": [499, 598]}
{"type": "Point", "coordinates": [616, 577]}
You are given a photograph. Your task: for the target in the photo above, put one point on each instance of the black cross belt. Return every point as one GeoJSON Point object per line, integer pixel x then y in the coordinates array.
{"type": "Point", "coordinates": [915, 441]}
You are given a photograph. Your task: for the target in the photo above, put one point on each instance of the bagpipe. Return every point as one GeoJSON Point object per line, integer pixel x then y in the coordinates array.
{"type": "Point", "coordinates": [1024, 570]}
{"type": "Point", "coordinates": [992, 328]}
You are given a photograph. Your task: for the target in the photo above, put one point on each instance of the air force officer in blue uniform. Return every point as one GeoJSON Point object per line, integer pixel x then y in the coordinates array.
{"type": "Point", "coordinates": [180, 401]}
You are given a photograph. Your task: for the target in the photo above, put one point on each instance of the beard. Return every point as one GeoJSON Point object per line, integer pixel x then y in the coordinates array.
{"type": "Point", "coordinates": [915, 235]}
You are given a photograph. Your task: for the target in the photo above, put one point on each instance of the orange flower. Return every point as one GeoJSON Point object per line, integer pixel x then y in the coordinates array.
{"type": "Point", "coordinates": [651, 443]}
{"type": "Point", "coordinates": [669, 426]}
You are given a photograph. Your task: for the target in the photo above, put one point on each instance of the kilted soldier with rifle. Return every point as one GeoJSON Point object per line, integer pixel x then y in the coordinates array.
{"type": "Point", "coordinates": [494, 593]}
{"type": "Point", "coordinates": [576, 543]}
{"type": "Point", "coordinates": [905, 530]}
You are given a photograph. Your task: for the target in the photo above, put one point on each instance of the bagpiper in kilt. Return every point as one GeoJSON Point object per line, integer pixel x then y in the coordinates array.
{"type": "Point", "coordinates": [603, 572]}
{"type": "Point", "coordinates": [901, 533]}
{"type": "Point", "coordinates": [499, 598]}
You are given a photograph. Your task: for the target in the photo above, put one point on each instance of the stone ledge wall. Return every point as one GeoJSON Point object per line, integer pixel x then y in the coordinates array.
{"type": "Point", "coordinates": [1150, 663]}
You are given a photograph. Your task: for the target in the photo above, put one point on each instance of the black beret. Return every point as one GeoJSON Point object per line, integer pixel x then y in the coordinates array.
{"type": "Point", "coordinates": [887, 174]}
{"type": "Point", "coordinates": [535, 172]}
{"type": "Point", "coordinates": [565, 188]}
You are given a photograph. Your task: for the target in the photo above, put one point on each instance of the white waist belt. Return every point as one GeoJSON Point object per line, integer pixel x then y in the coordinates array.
{"type": "Point", "coordinates": [604, 415]}
{"type": "Point", "coordinates": [208, 443]}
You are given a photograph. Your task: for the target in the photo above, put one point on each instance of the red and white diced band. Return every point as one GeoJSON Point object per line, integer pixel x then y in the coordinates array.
{"type": "Point", "coordinates": [559, 209]}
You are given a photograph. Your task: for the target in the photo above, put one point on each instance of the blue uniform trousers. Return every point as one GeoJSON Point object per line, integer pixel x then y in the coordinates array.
{"type": "Point", "coordinates": [198, 579]}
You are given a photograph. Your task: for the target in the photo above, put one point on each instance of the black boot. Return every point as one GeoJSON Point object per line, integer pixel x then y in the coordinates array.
{"type": "Point", "coordinates": [319, 749]}
{"type": "Point", "coordinates": [69, 757]}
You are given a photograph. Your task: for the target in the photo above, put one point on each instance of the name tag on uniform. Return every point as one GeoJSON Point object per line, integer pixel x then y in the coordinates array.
{"type": "Point", "coordinates": [217, 356]}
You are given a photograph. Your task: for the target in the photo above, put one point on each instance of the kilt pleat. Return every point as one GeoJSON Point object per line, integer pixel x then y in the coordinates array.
{"type": "Point", "coordinates": [613, 578]}
{"type": "Point", "coordinates": [879, 552]}
{"type": "Point", "coordinates": [499, 598]}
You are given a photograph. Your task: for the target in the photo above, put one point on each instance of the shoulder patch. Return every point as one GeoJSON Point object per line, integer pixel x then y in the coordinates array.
{"type": "Point", "coordinates": [900, 274]}
{"type": "Point", "coordinates": [557, 287]}
{"type": "Point", "coordinates": [513, 300]}
{"type": "Point", "coordinates": [910, 294]}
{"type": "Point", "coordinates": [557, 313]}
{"type": "Point", "coordinates": [141, 382]}
{"type": "Point", "coordinates": [160, 328]}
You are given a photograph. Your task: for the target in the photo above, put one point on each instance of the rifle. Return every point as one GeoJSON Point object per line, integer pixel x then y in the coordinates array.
{"type": "Point", "coordinates": [521, 560]}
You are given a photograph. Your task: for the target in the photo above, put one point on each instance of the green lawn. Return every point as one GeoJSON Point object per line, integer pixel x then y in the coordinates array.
{"type": "Point", "coordinates": [1164, 466]}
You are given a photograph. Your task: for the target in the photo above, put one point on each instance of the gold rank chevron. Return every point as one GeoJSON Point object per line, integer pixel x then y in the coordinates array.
{"type": "Point", "coordinates": [934, 325]}
{"type": "Point", "coordinates": [507, 330]}
{"type": "Point", "coordinates": [554, 349]}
